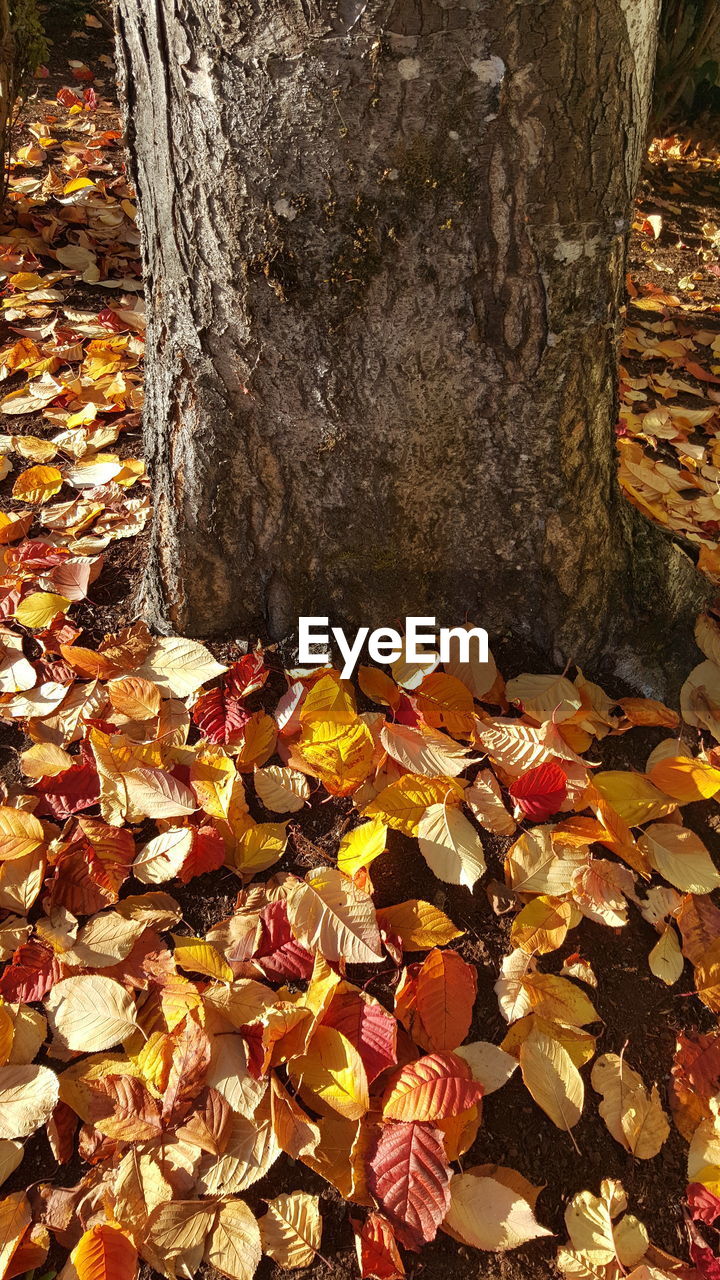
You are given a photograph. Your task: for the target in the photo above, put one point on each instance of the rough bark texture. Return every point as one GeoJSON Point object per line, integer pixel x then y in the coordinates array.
{"type": "Point", "coordinates": [384, 242]}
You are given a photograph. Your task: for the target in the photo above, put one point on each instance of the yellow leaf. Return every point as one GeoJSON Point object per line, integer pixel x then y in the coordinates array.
{"type": "Point", "coordinates": [422, 750]}
{"type": "Point", "coordinates": [260, 846]}
{"type": "Point", "coordinates": [666, 959]}
{"type": "Point", "coordinates": [633, 1115]}
{"type": "Point", "coordinates": [291, 1229]}
{"type": "Point", "coordinates": [485, 802]}
{"type": "Point", "coordinates": [20, 833]}
{"type": "Point", "coordinates": [633, 796]}
{"type": "Point", "coordinates": [281, 790]}
{"type": "Point", "coordinates": [402, 804]}
{"type": "Point", "coordinates": [329, 914]}
{"type": "Point", "coordinates": [45, 760]}
{"type": "Point", "coordinates": [341, 755]}
{"type": "Point", "coordinates": [379, 686]}
{"type": "Point", "coordinates": [362, 846]}
{"type": "Point", "coordinates": [685, 779]}
{"type": "Point", "coordinates": [446, 703]}
{"type": "Point", "coordinates": [258, 744]}
{"type": "Point", "coordinates": [234, 1246]}
{"type": "Point", "coordinates": [419, 925]}
{"type": "Point", "coordinates": [14, 525]}
{"type": "Point", "coordinates": [541, 926]}
{"type": "Point", "coordinates": [198, 956]}
{"type": "Point", "coordinates": [90, 1013]}
{"type": "Point", "coordinates": [552, 1078]}
{"type": "Point", "coordinates": [134, 697]}
{"type": "Point", "coordinates": [39, 608]}
{"type": "Point", "coordinates": [544, 697]}
{"type": "Point", "coordinates": [15, 1218]}
{"type": "Point", "coordinates": [450, 845]}
{"type": "Point", "coordinates": [28, 1096]}
{"type": "Point", "coordinates": [559, 1000]}
{"type": "Point", "coordinates": [332, 1071]}
{"type": "Point", "coordinates": [487, 1213]}
{"type": "Point", "coordinates": [679, 855]}
{"type": "Point", "coordinates": [37, 484]}
{"type": "Point", "coordinates": [329, 699]}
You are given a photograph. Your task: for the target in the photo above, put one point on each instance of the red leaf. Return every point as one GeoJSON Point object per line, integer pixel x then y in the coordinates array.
{"type": "Point", "coordinates": [706, 1262]}
{"type": "Point", "coordinates": [189, 1066]}
{"type": "Point", "coordinates": [696, 1066]}
{"type": "Point", "coordinates": [704, 1206]}
{"type": "Point", "coordinates": [69, 792]}
{"type": "Point", "coordinates": [432, 1088]}
{"type": "Point", "coordinates": [220, 717]}
{"type": "Point", "coordinates": [409, 1176]}
{"type": "Point", "coordinates": [246, 676]}
{"type": "Point", "coordinates": [207, 853]}
{"type": "Point", "coordinates": [31, 973]}
{"type": "Point", "coordinates": [67, 98]}
{"type": "Point", "coordinates": [279, 953]}
{"type": "Point", "coordinates": [378, 1256]}
{"type": "Point", "coordinates": [61, 1132]}
{"type": "Point", "coordinates": [541, 791]}
{"type": "Point", "coordinates": [369, 1027]}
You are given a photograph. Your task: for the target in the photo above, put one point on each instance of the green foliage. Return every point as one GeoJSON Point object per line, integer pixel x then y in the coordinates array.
{"type": "Point", "coordinates": [29, 45]}
{"type": "Point", "coordinates": [688, 56]}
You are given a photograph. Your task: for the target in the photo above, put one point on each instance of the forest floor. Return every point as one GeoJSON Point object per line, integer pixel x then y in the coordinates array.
{"type": "Point", "coordinates": [554, 846]}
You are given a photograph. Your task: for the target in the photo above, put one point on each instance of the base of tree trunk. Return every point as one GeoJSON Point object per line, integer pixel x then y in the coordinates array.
{"type": "Point", "coordinates": [641, 635]}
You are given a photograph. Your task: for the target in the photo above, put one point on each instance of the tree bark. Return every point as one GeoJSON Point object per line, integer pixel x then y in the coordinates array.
{"type": "Point", "coordinates": [384, 244]}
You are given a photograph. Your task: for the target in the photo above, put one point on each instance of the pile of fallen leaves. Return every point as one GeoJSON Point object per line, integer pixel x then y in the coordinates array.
{"type": "Point", "coordinates": [182, 1068]}
{"type": "Point", "coordinates": [308, 1025]}
{"type": "Point", "coordinates": [670, 368]}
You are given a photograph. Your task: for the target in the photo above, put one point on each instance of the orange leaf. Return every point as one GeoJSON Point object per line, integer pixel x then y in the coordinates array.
{"type": "Point", "coordinates": [444, 997]}
{"type": "Point", "coordinates": [105, 1253]}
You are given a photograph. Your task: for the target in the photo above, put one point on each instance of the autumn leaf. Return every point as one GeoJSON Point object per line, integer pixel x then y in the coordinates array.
{"type": "Point", "coordinates": [553, 1080]}
{"type": "Point", "coordinates": [633, 1115]}
{"type": "Point", "coordinates": [444, 996]}
{"type": "Point", "coordinates": [432, 1088]}
{"type": "Point", "coordinates": [90, 1013]}
{"type": "Point", "coordinates": [37, 484]}
{"type": "Point", "coordinates": [291, 1229]}
{"type": "Point", "coordinates": [402, 804]}
{"type": "Point", "coordinates": [409, 1177]}
{"type": "Point", "coordinates": [419, 925]}
{"type": "Point", "coordinates": [450, 845]}
{"type": "Point", "coordinates": [20, 833]}
{"type": "Point", "coordinates": [368, 1026]}
{"type": "Point", "coordinates": [105, 1253]}
{"type": "Point", "coordinates": [15, 1217]}
{"type": "Point", "coordinates": [491, 1212]}
{"type": "Point", "coordinates": [542, 925]}
{"type": "Point", "coordinates": [333, 1072]}
{"type": "Point", "coordinates": [540, 792]}
{"type": "Point", "coordinates": [234, 1246]}
{"type": "Point", "coordinates": [281, 790]}
{"type": "Point", "coordinates": [326, 911]}
{"type": "Point", "coordinates": [361, 846]}
{"type": "Point", "coordinates": [28, 1095]}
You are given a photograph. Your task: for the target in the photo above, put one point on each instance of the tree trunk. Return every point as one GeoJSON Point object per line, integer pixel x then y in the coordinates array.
{"type": "Point", "coordinates": [384, 244]}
